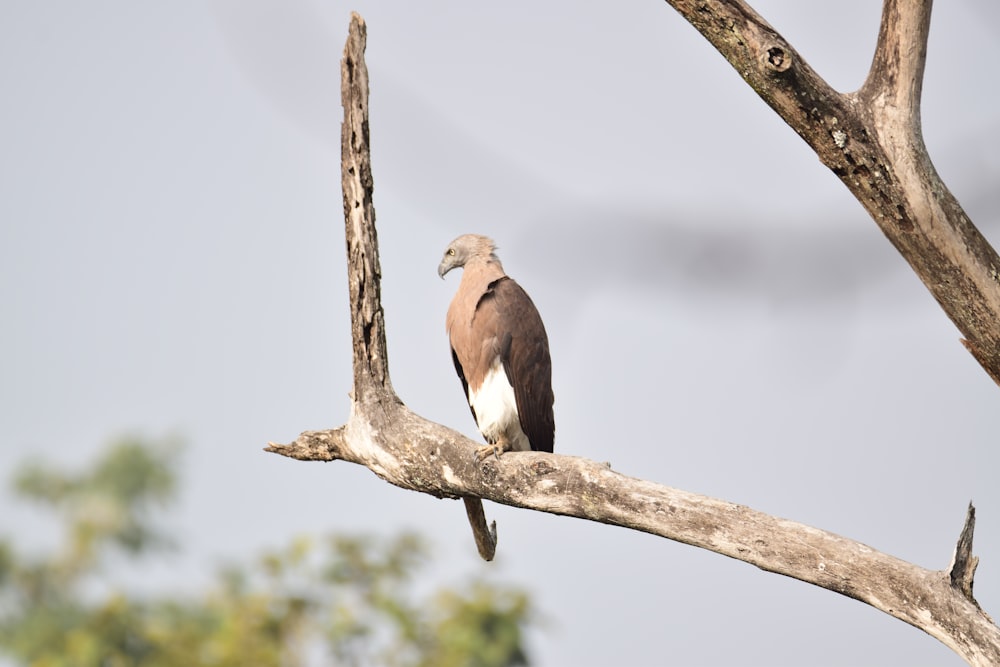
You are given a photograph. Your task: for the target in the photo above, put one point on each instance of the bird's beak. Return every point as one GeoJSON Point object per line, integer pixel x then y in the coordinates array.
{"type": "Point", "coordinates": [444, 267]}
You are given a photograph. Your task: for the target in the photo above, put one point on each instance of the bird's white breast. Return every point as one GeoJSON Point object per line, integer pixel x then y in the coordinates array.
{"type": "Point", "coordinates": [496, 409]}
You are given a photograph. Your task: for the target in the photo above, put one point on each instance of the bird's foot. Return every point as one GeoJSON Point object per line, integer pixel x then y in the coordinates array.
{"type": "Point", "coordinates": [484, 452]}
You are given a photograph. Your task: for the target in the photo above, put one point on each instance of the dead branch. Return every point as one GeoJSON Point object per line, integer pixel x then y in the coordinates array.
{"type": "Point", "coordinates": [414, 453]}
{"type": "Point", "coordinates": [872, 140]}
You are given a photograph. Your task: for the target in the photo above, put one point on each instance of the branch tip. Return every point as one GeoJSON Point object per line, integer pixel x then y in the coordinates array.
{"type": "Point", "coordinates": [312, 446]}
{"type": "Point", "coordinates": [964, 563]}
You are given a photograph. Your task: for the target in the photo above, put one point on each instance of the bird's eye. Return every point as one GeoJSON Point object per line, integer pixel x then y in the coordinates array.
{"type": "Point", "coordinates": [451, 252]}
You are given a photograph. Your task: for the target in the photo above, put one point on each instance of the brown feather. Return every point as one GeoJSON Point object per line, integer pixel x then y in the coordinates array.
{"type": "Point", "coordinates": [524, 351]}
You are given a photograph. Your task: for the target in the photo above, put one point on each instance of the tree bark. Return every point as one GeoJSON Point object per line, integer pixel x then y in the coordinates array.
{"type": "Point", "coordinates": [414, 453]}
{"type": "Point", "coordinates": [872, 140]}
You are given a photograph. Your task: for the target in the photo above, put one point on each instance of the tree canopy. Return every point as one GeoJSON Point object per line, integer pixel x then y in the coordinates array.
{"type": "Point", "coordinates": [337, 599]}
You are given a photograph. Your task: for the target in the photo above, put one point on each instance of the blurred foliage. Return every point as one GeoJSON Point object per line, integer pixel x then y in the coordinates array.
{"type": "Point", "coordinates": [337, 600]}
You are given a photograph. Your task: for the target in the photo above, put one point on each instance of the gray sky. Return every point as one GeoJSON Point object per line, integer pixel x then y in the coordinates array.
{"type": "Point", "coordinates": [723, 316]}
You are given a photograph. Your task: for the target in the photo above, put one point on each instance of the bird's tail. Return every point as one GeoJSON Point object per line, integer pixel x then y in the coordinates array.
{"type": "Point", "coordinates": [486, 536]}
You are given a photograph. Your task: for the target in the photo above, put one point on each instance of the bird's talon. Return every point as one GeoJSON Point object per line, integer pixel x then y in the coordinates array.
{"type": "Point", "coordinates": [483, 453]}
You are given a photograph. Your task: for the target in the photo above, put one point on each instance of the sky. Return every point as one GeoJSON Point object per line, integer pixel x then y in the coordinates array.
{"type": "Point", "coordinates": [723, 316]}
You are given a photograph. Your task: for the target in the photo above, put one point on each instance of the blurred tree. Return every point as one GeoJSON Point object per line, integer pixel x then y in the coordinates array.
{"type": "Point", "coordinates": [340, 600]}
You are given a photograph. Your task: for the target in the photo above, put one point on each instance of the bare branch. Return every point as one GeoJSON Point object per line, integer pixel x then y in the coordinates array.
{"type": "Point", "coordinates": [897, 72]}
{"type": "Point", "coordinates": [423, 456]}
{"type": "Point", "coordinates": [963, 563]}
{"type": "Point", "coordinates": [372, 387]}
{"type": "Point", "coordinates": [371, 362]}
{"type": "Point", "coordinates": [872, 141]}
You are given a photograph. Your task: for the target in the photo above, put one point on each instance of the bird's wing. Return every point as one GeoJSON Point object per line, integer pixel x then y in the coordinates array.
{"type": "Point", "coordinates": [524, 351]}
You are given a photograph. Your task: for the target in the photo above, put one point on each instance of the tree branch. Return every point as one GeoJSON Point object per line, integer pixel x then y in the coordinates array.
{"type": "Point", "coordinates": [872, 141]}
{"type": "Point", "coordinates": [414, 453]}
{"type": "Point", "coordinates": [372, 386]}
{"type": "Point", "coordinates": [963, 562]}
{"type": "Point", "coordinates": [417, 454]}
{"type": "Point", "coordinates": [896, 76]}
{"type": "Point", "coordinates": [371, 360]}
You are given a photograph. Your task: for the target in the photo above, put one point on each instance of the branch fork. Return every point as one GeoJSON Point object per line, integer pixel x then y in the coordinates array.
{"type": "Point", "coordinates": [873, 141]}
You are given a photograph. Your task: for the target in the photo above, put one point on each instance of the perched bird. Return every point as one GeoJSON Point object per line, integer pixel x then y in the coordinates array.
{"type": "Point", "coordinates": [500, 350]}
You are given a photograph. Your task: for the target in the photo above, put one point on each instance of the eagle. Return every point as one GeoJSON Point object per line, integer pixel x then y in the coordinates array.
{"type": "Point", "coordinates": [500, 350]}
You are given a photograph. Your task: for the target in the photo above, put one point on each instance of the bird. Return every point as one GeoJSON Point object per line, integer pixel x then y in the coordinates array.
{"type": "Point", "coordinates": [500, 351]}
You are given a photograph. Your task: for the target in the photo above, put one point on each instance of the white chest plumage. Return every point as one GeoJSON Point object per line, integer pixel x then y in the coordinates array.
{"type": "Point", "coordinates": [496, 409]}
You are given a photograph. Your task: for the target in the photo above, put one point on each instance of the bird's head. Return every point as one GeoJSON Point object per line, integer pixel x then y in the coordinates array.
{"type": "Point", "coordinates": [465, 249]}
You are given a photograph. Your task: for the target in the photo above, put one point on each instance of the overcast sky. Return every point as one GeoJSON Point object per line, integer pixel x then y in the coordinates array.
{"type": "Point", "coordinates": [723, 316]}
